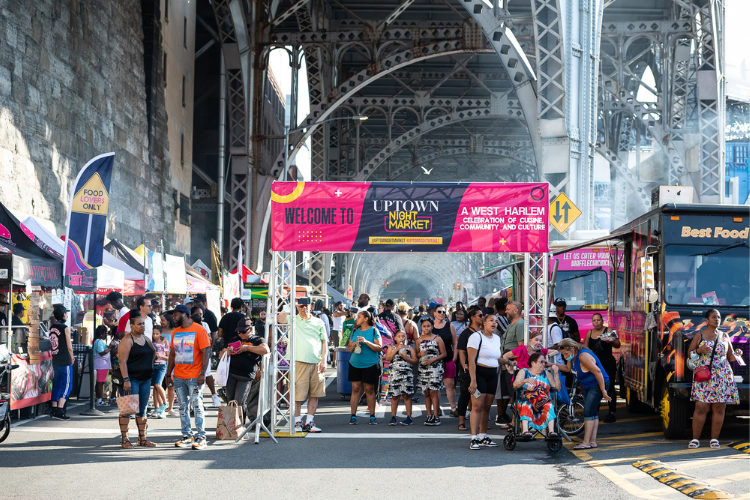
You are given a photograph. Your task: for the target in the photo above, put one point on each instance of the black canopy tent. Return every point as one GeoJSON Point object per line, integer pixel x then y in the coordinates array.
{"type": "Point", "coordinates": [24, 257]}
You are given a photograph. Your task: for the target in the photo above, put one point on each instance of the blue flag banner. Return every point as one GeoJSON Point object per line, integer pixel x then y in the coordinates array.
{"type": "Point", "coordinates": [87, 215]}
{"type": "Point", "coordinates": [156, 265]}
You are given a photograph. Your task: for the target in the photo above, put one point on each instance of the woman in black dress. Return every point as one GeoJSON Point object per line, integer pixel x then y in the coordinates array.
{"type": "Point", "coordinates": [602, 347]}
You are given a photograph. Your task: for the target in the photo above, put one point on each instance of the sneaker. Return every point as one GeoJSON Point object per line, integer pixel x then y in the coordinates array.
{"type": "Point", "coordinates": [407, 421]}
{"type": "Point", "coordinates": [162, 408]}
{"type": "Point", "coordinates": [474, 445]}
{"type": "Point", "coordinates": [353, 420]}
{"type": "Point", "coordinates": [454, 413]}
{"type": "Point", "coordinates": [105, 402]}
{"type": "Point", "coordinates": [162, 415]}
{"type": "Point", "coordinates": [502, 419]}
{"type": "Point", "coordinates": [185, 442]}
{"type": "Point", "coordinates": [174, 413]}
{"type": "Point", "coordinates": [430, 420]}
{"type": "Point", "coordinates": [609, 418]}
{"type": "Point", "coordinates": [58, 414]}
{"type": "Point", "coordinates": [216, 400]}
{"type": "Point", "coordinates": [374, 421]}
{"type": "Point", "coordinates": [221, 391]}
{"type": "Point", "coordinates": [310, 427]}
{"type": "Point", "coordinates": [393, 421]}
{"type": "Point", "coordinates": [99, 402]}
{"type": "Point", "coordinates": [436, 421]}
{"type": "Point", "coordinates": [487, 442]}
{"type": "Point", "coordinates": [200, 444]}
{"type": "Point", "coordinates": [298, 427]}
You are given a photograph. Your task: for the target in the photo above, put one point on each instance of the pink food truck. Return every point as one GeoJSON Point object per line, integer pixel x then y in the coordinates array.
{"type": "Point", "coordinates": [582, 280]}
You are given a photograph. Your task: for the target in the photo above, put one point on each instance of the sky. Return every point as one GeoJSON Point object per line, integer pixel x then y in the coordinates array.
{"type": "Point", "coordinates": [736, 42]}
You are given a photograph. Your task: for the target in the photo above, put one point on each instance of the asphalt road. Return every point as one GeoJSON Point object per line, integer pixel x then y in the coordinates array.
{"type": "Point", "coordinates": [82, 458]}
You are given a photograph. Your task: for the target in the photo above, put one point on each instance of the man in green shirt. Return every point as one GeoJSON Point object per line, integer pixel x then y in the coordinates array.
{"type": "Point", "coordinates": [348, 325]}
{"type": "Point", "coordinates": [309, 364]}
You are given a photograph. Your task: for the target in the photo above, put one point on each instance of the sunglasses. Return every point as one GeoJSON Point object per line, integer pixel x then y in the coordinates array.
{"type": "Point", "coordinates": [440, 312]}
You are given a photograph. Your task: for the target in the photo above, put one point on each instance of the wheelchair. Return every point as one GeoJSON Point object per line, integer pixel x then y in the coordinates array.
{"type": "Point", "coordinates": [554, 443]}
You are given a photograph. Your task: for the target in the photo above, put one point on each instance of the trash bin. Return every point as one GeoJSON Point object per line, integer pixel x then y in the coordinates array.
{"type": "Point", "coordinates": [343, 385]}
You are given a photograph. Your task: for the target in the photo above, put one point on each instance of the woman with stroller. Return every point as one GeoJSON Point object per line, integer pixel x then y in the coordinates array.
{"type": "Point", "coordinates": [534, 405]}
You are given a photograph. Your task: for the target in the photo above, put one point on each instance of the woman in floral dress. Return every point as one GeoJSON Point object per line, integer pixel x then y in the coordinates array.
{"type": "Point", "coordinates": [430, 351]}
{"type": "Point", "coordinates": [713, 348]}
{"type": "Point", "coordinates": [535, 408]}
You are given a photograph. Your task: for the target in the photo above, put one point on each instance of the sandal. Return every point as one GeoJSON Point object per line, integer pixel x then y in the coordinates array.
{"type": "Point", "coordinates": [126, 444]}
{"type": "Point", "coordinates": [124, 424]}
{"type": "Point", "coordinates": [146, 443]}
{"type": "Point", "coordinates": [694, 444]}
{"type": "Point", "coordinates": [715, 444]}
{"type": "Point", "coordinates": [527, 435]}
{"type": "Point", "coordinates": [582, 447]}
{"type": "Point", "coordinates": [462, 427]}
{"type": "Point", "coordinates": [142, 441]}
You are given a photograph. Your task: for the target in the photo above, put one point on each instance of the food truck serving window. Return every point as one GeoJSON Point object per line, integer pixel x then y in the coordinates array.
{"type": "Point", "coordinates": [708, 275]}
{"type": "Point", "coordinates": [583, 290]}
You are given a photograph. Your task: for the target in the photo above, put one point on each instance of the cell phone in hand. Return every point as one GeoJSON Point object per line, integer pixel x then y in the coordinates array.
{"type": "Point", "coordinates": [477, 393]}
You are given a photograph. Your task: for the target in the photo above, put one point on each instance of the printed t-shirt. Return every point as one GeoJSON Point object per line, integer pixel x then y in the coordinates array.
{"type": "Point", "coordinates": [522, 355]}
{"type": "Point", "coordinates": [101, 362]}
{"type": "Point", "coordinates": [246, 364]}
{"type": "Point", "coordinates": [309, 335]}
{"type": "Point", "coordinates": [187, 344]}
{"type": "Point", "coordinates": [490, 351]}
{"type": "Point", "coordinates": [367, 357]}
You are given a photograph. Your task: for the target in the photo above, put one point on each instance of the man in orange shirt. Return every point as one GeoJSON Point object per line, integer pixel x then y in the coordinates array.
{"type": "Point", "coordinates": [189, 356]}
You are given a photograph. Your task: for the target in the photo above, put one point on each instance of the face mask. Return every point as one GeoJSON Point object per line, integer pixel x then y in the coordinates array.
{"type": "Point", "coordinates": [536, 347]}
{"type": "Point", "coordinates": [569, 358]}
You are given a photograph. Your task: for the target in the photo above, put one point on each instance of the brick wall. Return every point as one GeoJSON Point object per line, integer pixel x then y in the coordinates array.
{"type": "Point", "coordinates": [72, 86]}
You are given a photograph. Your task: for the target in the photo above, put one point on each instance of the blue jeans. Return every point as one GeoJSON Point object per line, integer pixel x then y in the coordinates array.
{"type": "Point", "coordinates": [143, 389]}
{"type": "Point", "coordinates": [190, 393]}
{"type": "Point", "coordinates": [592, 398]}
{"type": "Point", "coordinates": [160, 370]}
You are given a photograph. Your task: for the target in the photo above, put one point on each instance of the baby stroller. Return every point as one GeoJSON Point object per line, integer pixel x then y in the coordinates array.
{"type": "Point", "coordinates": [515, 433]}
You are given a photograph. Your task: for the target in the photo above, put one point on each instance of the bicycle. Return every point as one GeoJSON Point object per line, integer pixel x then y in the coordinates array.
{"type": "Point", "coordinates": [5, 403]}
{"type": "Point", "coordinates": [570, 416]}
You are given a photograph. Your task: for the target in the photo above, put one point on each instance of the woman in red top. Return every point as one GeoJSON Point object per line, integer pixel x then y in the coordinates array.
{"type": "Point", "coordinates": [522, 353]}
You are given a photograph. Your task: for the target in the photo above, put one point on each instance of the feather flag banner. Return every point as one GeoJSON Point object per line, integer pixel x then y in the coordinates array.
{"type": "Point", "coordinates": [87, 215]}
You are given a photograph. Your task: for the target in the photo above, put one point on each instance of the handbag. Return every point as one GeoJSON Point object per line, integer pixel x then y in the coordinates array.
{"type": "Point", "coordinates": [703, 373]}
{"type": "Point", "coordinates": [128, 405]}
{"type": "Point", "coordinates": [222, 371]}
{"type": "Point", "coordinates": [229, 421]}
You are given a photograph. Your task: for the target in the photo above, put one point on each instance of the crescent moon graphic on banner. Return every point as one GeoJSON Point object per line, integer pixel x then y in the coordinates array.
{"type": "Point", "coordinates": [287, 198]}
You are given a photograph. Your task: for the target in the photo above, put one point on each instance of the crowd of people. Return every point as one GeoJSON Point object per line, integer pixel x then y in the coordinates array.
{"type": "Point", "coordinates": [478, 355]}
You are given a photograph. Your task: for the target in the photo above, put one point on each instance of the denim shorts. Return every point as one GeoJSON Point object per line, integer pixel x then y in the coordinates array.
{"type": "Point", "coordinates": [592, 398]}
{"type": "Point", "coordinates": [160, 370]}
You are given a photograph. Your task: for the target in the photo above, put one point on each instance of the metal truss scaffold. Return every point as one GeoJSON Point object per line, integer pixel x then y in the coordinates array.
{"type": "Point", "coordinates": [280, 312]}
{"type": "Point", "coordinates": [536, 305]}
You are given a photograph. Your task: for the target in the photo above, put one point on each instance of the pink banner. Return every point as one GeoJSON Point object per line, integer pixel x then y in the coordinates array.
{"type": "Point", "coordinates": [409, 217]}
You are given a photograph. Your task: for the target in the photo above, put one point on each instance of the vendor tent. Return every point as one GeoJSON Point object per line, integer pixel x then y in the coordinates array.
{"type": "Point", "coordinates": [110, 276]}
{"type": "Point", "coordinates": [23, 257]}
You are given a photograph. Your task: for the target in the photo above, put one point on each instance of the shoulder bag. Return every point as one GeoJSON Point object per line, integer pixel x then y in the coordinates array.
{"type": "Point", "coordinates": [703, 373]}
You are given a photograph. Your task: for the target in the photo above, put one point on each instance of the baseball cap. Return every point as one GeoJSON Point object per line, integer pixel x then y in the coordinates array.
{"type": "Point", "coordinates": [560, 302]}
{"type": "Point", "coordinates": [390, 303]}
{"type": "Point", "coordinates": [433, 305]}
{"type": "Point", "coordinates": [18, 307]}
{"type": "Point", "coordinates": [181, 308]}
{"type": "Point", "coordinates": [243, 324]}
{"type": "Point", "coordinates": [188, 300]}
